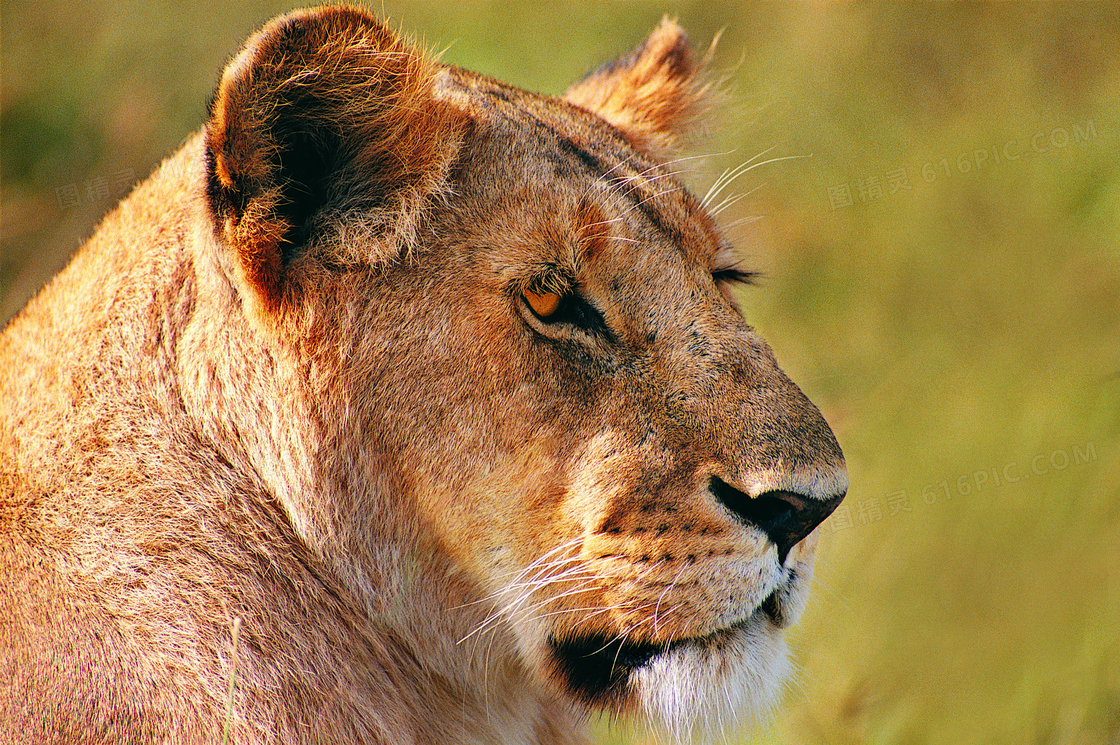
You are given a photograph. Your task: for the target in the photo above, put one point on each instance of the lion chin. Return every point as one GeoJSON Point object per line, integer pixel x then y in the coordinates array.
{"type": "Point", "coordinates": [702, 687]}
{"type": "Point", "coordinates": [689, 688]}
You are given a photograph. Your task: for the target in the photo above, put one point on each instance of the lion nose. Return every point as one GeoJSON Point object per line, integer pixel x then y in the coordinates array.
{"type": "Point", "coordinates": [785, 517]}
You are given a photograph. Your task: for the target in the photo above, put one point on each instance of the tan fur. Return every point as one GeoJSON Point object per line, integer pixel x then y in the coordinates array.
{"type": "Point", "coordinates": [650, 95]}
{"type": "Point", "coordinates": [295, 379]}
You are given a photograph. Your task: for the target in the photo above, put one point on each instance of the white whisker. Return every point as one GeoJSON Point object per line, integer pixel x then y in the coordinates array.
{"type": "Point", "coordinates": [741, 222]}
{"type": "Point", "coordinates": [728, 176]}
{"type": "Point", "coordinates": [732, 199]}
{"type": "Point", "coordinates": [731, 175]}
{"type": "Point", "coordinates": [670, 586]}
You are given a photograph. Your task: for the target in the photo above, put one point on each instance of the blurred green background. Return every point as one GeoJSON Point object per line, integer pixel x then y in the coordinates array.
{"type": "Point", "coordinates": [938, 232]}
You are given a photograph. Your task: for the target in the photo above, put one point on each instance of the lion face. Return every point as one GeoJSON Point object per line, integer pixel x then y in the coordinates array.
{"type": "Point", "coordinates": [543, 359]}
{"type": "Point", "coordinates": [649, 480]}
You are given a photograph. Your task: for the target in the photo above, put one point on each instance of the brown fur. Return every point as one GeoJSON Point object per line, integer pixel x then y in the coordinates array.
{"type": "Point", "coordinates": [294, 380]}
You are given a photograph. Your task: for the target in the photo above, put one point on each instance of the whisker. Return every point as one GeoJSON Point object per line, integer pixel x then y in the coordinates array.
{"type": "Point", "coordinates": [725, 180]}
{"type": "Point", "coordinates": [741, 222]}
{"type": "Point", "coordinates": [544, 559]}
{"type": "Point", "coordinates": [594, 611]}
{"type": "Point", "coordinates": [601, 610]}
{"type": "Point", "coordinates": [567, 574]}
{"type": "Point", "coordinates": [655, 195]}
{"type": "Point", "coordinates": [585, 586]}
{"type": "Point", "coordinates": [512, 608]}
{"type": "Point", "coordinates": [525, 590]}
{"type": "Point", "coordinates": [704, 156]}
{"type": "Point", "coordinates": [621, 644]}
{"type": "Point", "coordinates": [730, 200]}
{"type": "Point", "coordinates": [602, 222]}
{"type": "Point", "coordinates": [670, 586]}
{"type": "Point", "coordinates": [543, 569]}
{"type": "Point", "coordinates": [728, 176]}
{"type": "Point", "coordinates": [519, 603]}
{"type": "Point", "coordinates": [644, 177]}
{"type": "Point", "coordinates": [521, 610]}
{"type": "Point", "coordinates": [533, 567]}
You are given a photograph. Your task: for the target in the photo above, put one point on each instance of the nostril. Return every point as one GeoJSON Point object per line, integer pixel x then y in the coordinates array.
{"type": "Point", "coordinates": [785, 517]}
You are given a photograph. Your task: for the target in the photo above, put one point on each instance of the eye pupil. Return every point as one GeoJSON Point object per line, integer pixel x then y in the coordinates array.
{"type": "Point", "coordinates": [544, 304]}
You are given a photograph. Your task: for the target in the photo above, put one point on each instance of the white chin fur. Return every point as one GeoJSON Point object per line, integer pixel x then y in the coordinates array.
{"type": "Point", "coordinates": [707, 691]}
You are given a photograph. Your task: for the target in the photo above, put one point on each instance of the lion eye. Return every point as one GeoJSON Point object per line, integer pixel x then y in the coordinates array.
{"type": "Point", "coordinates": [544, 304]}
{"type": "Point", "coordinates": [554, 310]}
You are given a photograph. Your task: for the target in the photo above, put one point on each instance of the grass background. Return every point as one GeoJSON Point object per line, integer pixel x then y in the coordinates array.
{"type": "Point", "coordinates": [943, 279]}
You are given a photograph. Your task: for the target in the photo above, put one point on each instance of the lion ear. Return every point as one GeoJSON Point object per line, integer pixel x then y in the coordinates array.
{"type": "Point", "coordinates": [324, 111]}
{"type": "Point", "coordinates": [652, 94]}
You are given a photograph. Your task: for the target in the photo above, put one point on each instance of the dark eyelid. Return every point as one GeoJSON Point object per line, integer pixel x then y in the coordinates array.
{"type": "Point", "coordinates": [734, 275]}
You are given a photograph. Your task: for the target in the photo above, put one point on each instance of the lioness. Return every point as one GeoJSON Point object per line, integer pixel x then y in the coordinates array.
{"type": "Point", "coordinates": [431, 387]}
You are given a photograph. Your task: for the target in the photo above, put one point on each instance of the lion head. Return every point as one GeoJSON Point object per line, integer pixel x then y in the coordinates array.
{"type": "Point", "coordinates": [510, 395]}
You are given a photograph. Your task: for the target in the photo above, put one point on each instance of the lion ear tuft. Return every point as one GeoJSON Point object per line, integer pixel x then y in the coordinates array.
{"type": "Point", "coordinates": [324, 110]}
{"type": "Point", "coordinates": [652, 94]}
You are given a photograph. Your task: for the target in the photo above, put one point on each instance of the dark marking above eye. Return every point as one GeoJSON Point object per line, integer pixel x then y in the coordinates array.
{"type": "Point", "coordinates": [640, 198]}
{"type": "Point", "coordinates": [590, 161]}
{"type": "Point", "coordinates": [498, 93]}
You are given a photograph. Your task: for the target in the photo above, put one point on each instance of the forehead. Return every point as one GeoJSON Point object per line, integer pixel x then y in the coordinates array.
{"type": "Point", "coordinates": [575, 174]}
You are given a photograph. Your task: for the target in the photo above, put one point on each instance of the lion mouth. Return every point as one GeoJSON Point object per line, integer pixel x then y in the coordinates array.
{"type": "Point", "coordinates": [596, 668]}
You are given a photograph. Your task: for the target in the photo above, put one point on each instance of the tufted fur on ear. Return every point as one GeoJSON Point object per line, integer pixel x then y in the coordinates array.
{"type": "Point", "coordinates": [325, 111]}
{"type": "Point", "coordinates": [652, 94]}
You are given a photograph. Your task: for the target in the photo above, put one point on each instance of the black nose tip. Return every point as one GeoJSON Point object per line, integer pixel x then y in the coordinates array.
{"type": "Point", "coordinates": [785, 517]}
